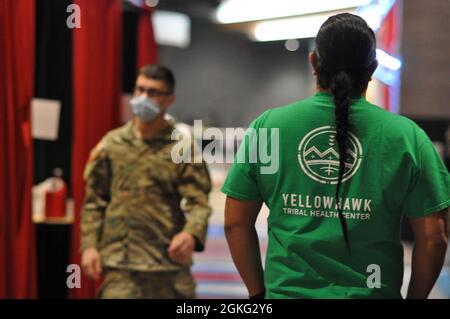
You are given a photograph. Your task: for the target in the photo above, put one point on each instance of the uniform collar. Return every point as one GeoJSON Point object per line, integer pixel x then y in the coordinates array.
{"type": "Point", "coordinates": [163, 135]}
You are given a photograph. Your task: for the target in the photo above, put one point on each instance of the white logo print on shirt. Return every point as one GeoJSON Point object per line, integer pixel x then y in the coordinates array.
{"type": "Point", "coordinates": [318, 155]}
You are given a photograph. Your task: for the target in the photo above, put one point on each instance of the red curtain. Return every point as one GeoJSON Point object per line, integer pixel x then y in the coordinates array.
{"type": "Point", "coordinates": [389, 41]}
{"type": "Point", "coordinates": [146, 45]}
{"type": "Point", "coordinates": [17, 241]}
{"type": "Point", "coordinates": [96, 98]}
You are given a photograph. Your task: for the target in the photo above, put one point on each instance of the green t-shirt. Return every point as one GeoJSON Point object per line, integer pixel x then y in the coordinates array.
{"type": "Point", "coordinates": [392, 169]}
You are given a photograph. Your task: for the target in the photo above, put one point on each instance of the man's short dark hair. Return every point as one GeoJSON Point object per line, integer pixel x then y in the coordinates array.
{"type": "Point", "coordinates": [159, 72]}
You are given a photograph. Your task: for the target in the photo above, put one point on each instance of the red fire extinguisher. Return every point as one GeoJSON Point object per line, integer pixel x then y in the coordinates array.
{"type": "Point", "coordinates": [55, 195]}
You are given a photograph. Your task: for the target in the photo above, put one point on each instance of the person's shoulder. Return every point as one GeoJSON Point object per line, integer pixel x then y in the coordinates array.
{"type": "Point", "coordinates": [182, 130]}
{"type": "Point", "coordinates": [117, 135]}
{"type": "Point", "coordinates": [281, 113]}
{"type": "Point", "coordinates": [395, 121]}
{"type": "Point", "coordinates": [110, 139]}
{"type": "Point", "coordinates": [183, 134]}
{"type": "Point", "coordinates": [295, 106]}
{"type": "Point", "coordinates": [396, 125]}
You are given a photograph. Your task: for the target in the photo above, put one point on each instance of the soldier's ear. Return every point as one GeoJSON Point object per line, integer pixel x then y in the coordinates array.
{"type": "Point", "coordinates": [170, 101]}
{"type": "Point", "coordinates": [313, 62]}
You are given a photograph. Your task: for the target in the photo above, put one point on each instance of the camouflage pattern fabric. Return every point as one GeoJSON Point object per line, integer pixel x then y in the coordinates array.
{"type": "Point", "coordinates": [123, 284]}
{"type": "Point", "coordinates": [137, 199]}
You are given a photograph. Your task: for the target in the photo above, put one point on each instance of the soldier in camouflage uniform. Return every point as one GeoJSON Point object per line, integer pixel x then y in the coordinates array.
{"type": "Point", "coordinates": [144, 214]}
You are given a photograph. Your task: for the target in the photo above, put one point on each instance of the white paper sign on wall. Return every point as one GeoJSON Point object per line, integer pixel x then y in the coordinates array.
{"type": "Point", "coordinates": [45, 118]}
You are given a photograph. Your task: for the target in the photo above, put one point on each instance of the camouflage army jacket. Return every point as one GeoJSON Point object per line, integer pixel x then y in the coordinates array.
{"type": "Point", "coordinates": [137, 199]}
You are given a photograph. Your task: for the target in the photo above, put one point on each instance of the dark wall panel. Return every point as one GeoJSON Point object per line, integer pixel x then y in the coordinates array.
{"type": "Point", "coordinates": [53, 80]}
{"type": "Point", "coordinates": [426, 59]}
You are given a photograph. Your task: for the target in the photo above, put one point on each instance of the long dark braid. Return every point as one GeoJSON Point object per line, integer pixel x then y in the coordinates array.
{"type": "Point", "coordinates": [344, 61]}
{"type": "Point", "coordinates": [340, 87]}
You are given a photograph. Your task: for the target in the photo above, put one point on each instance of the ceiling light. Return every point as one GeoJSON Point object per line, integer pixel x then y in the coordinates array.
{"type": "Point", "coordinates": [172, 28]}
{"type": "Point", "coordinates": [292, 45]}
{"type": "Point", "coordinates": [289, 28]}
{"type": "Point", "coordinates": [234, 11]}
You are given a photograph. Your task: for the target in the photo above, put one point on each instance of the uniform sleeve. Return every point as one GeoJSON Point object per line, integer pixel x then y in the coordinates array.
{"type": "Point", "coordinates": [97, 196]}
{"type": "Point", "coordinates": [194, 186]}
{"type": "Point", "coordinates": [430, 189]}
{"type": "Point", "coordinates": [241, 180]}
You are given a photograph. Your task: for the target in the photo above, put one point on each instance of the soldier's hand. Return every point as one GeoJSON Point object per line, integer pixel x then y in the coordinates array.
{"type": "Point", "coordinates": [90, 261]}
{"type": "Point", "coordinates": [181, 247]}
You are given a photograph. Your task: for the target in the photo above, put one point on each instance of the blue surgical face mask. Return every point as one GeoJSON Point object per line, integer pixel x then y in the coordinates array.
{"type": "Point", "coordinates": [144, 108]}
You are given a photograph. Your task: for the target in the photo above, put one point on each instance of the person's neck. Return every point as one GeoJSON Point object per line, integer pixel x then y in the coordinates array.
{"type": "Point", "coordinates": [320, 90]}
{"type": "Point", "coordinates": [147, 130]}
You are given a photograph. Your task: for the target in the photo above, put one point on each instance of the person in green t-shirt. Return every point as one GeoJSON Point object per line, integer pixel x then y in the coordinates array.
{"type": "Point", "coordinates": [341, 174]}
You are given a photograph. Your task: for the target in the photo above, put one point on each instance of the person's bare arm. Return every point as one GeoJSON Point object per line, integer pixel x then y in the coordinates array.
{"type": "Point", "coordinates": [240, 217]}
{"type": "Point", "coordinates": [430, 245]}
